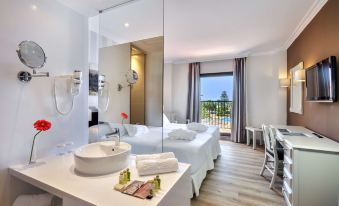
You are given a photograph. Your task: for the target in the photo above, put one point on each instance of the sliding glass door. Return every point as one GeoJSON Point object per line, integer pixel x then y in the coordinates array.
{"type": "Point", "coordinates": [216, 91]}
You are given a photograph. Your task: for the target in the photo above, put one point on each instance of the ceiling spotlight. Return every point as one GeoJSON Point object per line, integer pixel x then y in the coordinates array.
{"type": "Point", "coordinates": [126, 25]}
{"type": "Point", "coordinates": [34, 7]}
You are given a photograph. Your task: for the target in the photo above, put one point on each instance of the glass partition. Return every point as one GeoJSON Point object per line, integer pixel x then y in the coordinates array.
{"type": "Point", "coordinates": [126, 75]}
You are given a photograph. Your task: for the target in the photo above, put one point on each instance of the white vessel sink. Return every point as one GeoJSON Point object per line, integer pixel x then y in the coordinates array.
{"type": "Point", "coordinates": [101, 158]}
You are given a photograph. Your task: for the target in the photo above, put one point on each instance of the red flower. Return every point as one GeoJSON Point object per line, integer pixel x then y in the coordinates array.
{"type": "Point", "coordinates": [124, 115]}
{"type": "Point", "coordinates": [42, 125]}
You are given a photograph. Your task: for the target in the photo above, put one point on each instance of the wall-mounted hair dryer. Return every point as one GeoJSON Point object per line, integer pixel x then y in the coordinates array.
{"type": "Point", "coordinates": [76, 82]}
{"type": "Point", "coordinates": [101, 83]}
{"type": "Point", "coordinates": [103, 93]}
{"type": "Point", "coordinates": [67, 85]}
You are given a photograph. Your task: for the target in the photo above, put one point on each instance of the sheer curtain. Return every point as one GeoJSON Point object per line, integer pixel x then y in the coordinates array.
{"type": "Point", "coordinates": [193, 101]}
{"type": "Point", "coordinates": [239, 101]}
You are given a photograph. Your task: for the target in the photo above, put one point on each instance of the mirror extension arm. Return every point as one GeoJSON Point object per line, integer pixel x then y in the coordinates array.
{"type": "Point", "coordinates": [24, 76]}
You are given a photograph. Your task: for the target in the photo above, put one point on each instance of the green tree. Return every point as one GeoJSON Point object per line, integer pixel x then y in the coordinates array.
{"type": "Point", "coordinates": [207, 108]}
{"type": "Point", "coordinates": [224, 96]}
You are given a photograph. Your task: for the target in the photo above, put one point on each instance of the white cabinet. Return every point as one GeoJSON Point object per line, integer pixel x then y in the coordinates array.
{"type": "Point", "coordinates": [311, 169]}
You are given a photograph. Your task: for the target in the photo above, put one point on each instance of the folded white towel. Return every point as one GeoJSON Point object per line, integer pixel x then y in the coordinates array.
{"type": "Point", "coordinates": [34, 200]}
{"type": "Point", "coordinates": [197, 127]}
{"type": "Point", "coordinates": [182, 134]}
{"type": "Point", "coordinates": [157, 166]}
{"type": "Point", "coordinates": [165, 155]}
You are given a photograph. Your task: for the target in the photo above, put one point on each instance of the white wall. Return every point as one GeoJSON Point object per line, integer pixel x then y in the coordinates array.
{"type": "Point", "coordinates": [266, 100]}
{"type": "Point", "coordinates": [217, 66]}
{"type": "Point", "coordinates": [62, 33]}
{"type": "Point", "coordinates": [179, 91]}
{"type": "Point", "coordinates": [114, 63]}
{"type": "Point", "coordinates": [154, 85]}
{"type": "Point", "coordinates": [168, 68]}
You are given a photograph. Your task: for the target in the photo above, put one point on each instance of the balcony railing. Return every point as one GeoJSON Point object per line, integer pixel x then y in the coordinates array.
{"type": "Point", "coordinates": [217, 113]}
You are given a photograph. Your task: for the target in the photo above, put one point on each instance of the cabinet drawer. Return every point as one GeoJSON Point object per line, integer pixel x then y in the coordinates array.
{"type": "Point", "coordinates": [287, 178]}
{"type": "Point", "coordinates": [287, 192]}
{"type": "Point", "coordinates": [288, 164]}
{"type": "Point", "coordinates": [288, 152]}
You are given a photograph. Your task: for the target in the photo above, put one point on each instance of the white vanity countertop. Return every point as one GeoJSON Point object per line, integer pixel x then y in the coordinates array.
{"type": "Point", "coordinates": [308, 142]}
{"type": "Point", "coordinates": [56, 175]}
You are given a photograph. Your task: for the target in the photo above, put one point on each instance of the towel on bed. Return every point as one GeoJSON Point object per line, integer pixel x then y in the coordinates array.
{"type": "Point", "coordinates": [165, 155]}
{"type": "Point", "coordinates": [182, 134]}
{"type": "Point", "coordinates": [197, 127]}
{"type": "Point", "coordinates": [157, 166]}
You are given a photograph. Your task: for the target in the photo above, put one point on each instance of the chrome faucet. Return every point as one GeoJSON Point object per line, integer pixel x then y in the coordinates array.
{"type": "Point", "coordinates": [116, 135]}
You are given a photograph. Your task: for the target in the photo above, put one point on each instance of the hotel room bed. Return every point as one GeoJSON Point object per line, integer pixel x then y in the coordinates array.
{"type": "Point", "coordinates": [200, 153]}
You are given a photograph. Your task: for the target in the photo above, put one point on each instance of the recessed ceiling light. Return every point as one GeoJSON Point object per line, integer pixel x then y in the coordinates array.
{"type": "Point", "coordinates": [34, 7]}
{"type": "Point", "coordinates": [126, 24]}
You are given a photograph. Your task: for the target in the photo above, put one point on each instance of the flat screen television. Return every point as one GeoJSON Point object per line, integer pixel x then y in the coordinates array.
{"type": "Point", "coordinates": [321, 81]}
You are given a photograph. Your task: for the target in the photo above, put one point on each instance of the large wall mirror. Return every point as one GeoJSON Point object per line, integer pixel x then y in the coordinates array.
{"type": "Point", "coordinates": [126, 75]}
{"type": "Point", "coordinates": [296, 94]}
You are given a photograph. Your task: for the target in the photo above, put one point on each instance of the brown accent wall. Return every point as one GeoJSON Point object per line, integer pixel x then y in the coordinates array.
{"type": "Point", "coordinates": [319, 40]}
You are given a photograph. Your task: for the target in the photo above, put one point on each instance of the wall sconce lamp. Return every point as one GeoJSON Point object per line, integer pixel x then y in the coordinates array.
{"type": "Point", "coordinates": [299, 75]}
{"type": "Point", "coordinates": [284, 83]}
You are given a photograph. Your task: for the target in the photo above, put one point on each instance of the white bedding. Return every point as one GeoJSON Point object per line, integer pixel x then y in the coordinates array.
{"type": "Point", "coordinates": [200, 152]}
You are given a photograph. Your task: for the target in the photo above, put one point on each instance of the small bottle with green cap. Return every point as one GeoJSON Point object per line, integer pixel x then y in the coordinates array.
{"type": "Point", "coordinates": [128, 175]}
{"type": "Point", "coordinates": [155, 180]}
{"type": "Point", "coordinates": [121, 178]}
{"type": "Point", "coordinates": [125, 176]}
{"type": "Point", "coordinates": [158, 182]}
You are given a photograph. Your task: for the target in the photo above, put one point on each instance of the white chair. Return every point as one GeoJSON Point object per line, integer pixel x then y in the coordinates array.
{"type": "Point", "coordinates": [274, 154]}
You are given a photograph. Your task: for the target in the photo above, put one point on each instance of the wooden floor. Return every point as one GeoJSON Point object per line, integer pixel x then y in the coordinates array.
{"type": "Point", "coordinates": [235, 181]}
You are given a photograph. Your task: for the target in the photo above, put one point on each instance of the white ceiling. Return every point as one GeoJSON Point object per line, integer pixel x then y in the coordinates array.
{"type": "Point", "coordinates": [90, 7]}
{"type": "Point", "coordinates": [202, 30]}
{"type": "Point", "coordinates": [197, 30]}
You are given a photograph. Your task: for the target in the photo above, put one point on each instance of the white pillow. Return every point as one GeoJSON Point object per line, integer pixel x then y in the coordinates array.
{"type": "Point", "coordinates": [141, 129]}
{"type": "Point", "coordinates": [136, 130]}
{"type": "Point", "coordinates": [120, 127]}
{"type": "Point", "coordinates": [131, 129]}
{"type": "Point", "coordinates": [165, 119]}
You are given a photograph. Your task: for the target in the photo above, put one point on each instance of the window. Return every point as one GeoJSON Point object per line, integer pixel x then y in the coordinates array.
{"type": "Point", "coordinates": [216, 93]}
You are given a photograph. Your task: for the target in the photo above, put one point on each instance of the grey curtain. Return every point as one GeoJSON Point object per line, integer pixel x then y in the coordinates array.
{"type": "Point", "coordinates": [193, 101]}
{"type": "Point", "coordinates": [239, 101]}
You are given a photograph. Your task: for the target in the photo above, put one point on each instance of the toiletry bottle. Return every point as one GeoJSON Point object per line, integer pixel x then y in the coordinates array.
{"type": "Point", "coordinates": [159, 182]}
{"type": "Point", "coordinates": [121, 178]}
{"type": "Point", "coordinates": [125, 176]}
{"type": "Point", "coordinates": [154, 186]}
{"type": "Point", "coordinates": [128, 175]}
{"type": "Point", "coordinates": [155, 183]}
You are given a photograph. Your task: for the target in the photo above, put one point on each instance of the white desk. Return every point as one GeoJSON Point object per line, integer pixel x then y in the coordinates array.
{"type": "Point", "coordinates": [311, 168]}
{"type": "Point", "coordinates": [56, 176]}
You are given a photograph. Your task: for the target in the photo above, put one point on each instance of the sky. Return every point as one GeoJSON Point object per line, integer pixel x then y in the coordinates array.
{"type": "Point", "coordinates": [211, 87]}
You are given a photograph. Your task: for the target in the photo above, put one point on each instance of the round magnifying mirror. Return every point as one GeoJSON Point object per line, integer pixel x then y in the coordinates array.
{"type": "Point", "coordinates": [31, 54]}
{"type": "Point", "coordinates": [132, 76]}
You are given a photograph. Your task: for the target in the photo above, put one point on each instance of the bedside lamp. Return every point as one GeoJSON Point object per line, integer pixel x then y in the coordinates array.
{"type": "Point", "coordinates": [284, 82]}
